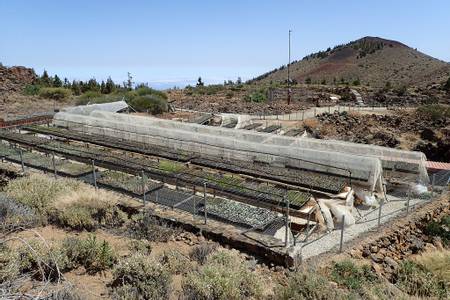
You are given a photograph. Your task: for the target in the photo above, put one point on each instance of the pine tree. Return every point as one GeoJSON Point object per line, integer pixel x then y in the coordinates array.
{"type": "Point", "coordinates": [45, 79]}
{"type": "Point", "coordinates": [102, 87]}
{"type": "Point", "coordinates": [129, 84]}
{"type": "Point", "coordinates": [76, 88]}
{"type": "Point", "coordinates": [93, 85]}
{"type": "Point", "coordinates": [109, 86]}
{"type": "Point", "coordinates": [200, 82]}
{"type": "Point", "coordinates": [66, 83]}
{"type": "Point", "coordinates": [56, 81]}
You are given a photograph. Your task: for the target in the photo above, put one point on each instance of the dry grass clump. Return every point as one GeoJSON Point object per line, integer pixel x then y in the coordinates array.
{"type": "Point", "coordinates": [39, 192]}
{"type": "Point", "coordinates": [311, 123]}
{"type": "Point", "coordinates": [346, 273]}
{"type": "Point", "coordinates": [8, 264]}
{"type": "Point", "coordinates": [437, 262]}
{"type": "Point", "coordinates": [88, 209]}
{"type": "Point", "coordinates": [66, 202]}
{"type": "Point", "coordinates": [308, 285]}
{"type": "Point", "coordinates": [140, 277]}
{"type": "Point", "coordinates": [414, 279]}
{"type": "Point", "coordinates": [225, 275]}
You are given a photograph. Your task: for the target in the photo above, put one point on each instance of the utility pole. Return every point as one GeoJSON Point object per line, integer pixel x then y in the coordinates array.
{"type": "Point", "coordinates": [288, 71]}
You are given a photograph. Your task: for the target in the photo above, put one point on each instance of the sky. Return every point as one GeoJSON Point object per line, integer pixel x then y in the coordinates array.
{"type": "Point", "coordinates": [172, 43]}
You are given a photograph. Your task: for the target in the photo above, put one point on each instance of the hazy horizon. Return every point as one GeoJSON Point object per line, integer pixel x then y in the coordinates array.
{"type": "Point", "coordinates": [173, 43]}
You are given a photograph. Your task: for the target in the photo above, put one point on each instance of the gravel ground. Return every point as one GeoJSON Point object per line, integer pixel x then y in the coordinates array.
{"type": "Point", "coordinates": [368, 221]}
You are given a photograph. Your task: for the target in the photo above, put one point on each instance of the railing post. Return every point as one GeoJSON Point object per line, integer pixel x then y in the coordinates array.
{"type": "Point", "coordinates": [204, 203]}
{"type": "Point", "coordinates": [21, 161]}
{"type": "Point", "coordinates": [54, 164]}
{"type": "Point", "coordinates": [341, 243]}
{"type": "Point", "coordinates": [143, 188]}
{"type": "Point", "coordinates": [94, 175]}
{"type": "Point", "coordinates": [379, 212]}
{"type": "Point", "coordinates": [433, 180]}
{"type": "Point", "coordinates": [286, 242]}
{"type": "Point", "coordinates": [407, 201]}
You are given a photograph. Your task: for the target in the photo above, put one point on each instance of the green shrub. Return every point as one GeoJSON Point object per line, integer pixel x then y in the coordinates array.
{"type": "Point", "coordinates": [32, 89]}
{"type": "Point", "coordinates": [140, 277]}
{"type": "Point", "coordinates": [224, 276]}
{"type": "Point", "coordinates": [142, 91]}
{"type": "Point", "coordinates": [93, 255]}
{"type": "Point", "coordinates": [353, 277]}
{"type": "Point", "coordinates": [256, 96]}
{"type": "Point", "coordinates": [8, 264]}
{"type": "Point", "coordinates": [39, 192]}
{"type": "Point", "coordinates": [141, 246]}
{"type": "Point", "coordinates": [91, 97]}
{"type": "Point", "coordinates": [308, 285]}
{"type": "Point", "coordinates": [439, 229]}
{"type": "Point", "coordinates": [415, 280]}
{"type": "Point", "coordinates": [447, 85]}
{"type": "Point", "coordinates": [153, 104]}
{"type": "Point", "coordinates": [55, 93]}
{"type": "Point", "coordinates": [229, 95]}
{"type": "Point", "coordinates": [44, 262]}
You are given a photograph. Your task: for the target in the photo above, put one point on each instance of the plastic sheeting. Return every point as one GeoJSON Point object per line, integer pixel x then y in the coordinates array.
{"type": "Point", "coordinates": [245, 148]}
{"type": "Point", "coordinates": [414, 161]}
{"type": "Point", "coordinates": [87, 109]}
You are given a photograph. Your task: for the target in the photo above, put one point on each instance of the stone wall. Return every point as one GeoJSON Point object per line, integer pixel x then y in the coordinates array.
{"type": "Point", "coordinates": [403, 238]}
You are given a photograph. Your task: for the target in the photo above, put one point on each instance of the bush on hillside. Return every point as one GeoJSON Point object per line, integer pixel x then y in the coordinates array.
{"type": "Point", "coordinates": [225, 275]}
{"type": "Point", "coordinates": [95, 256]}
{"type": "Point", "coordinates": [416, 280]}
{"type": "Point", "coordinates": [142, 91]}
{"type": "Point", "coordinates": [146, 226]}
{"type": "Point", "coordinates": [353, 277]}
{"type": "Point", "coordinates": [433, 112]}
{"type": "Point", "coordinates": [58, 93]}
{"type": "Point", "coordinates": [87, 209]}
{"type": "Point", "coordinates": [32, 89]}
{"type": "Point", "coordinates": [153, 104]}
{"type": "Point", "coordinates": [140, 277]}
{"type": "Point", "coordinates": [308, 285]}
{"type": "Point", "coordinates": [256, 96]}
{"type": "Point", "coordinates": [447, 85]}
{"type": "Point", "coordinates": [39, 192]}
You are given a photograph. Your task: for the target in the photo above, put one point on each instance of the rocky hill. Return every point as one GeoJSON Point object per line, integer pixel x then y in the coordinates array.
{"type": "Point", "coordinates": [13, 79]}
{"type": "Point", "coordinates": [371, 61]}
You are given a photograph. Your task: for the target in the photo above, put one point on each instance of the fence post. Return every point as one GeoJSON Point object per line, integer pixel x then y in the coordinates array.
{"type": "Point", "coordinates": [204, 203]}
{"type": "Point", "coordinates": [54, 164]}
{"type": "Point", "coordinates": [286, 241]}
{"type": "Point", "coordinates": [341, 243]}
{"type": "Point", "coordinates": [21, 161]}
{"type": "Point", "coordinates": [379, 212]}
{"type": "Point", "coordinates": [433, 178]}
{"type": "Point", "coordinates": [143, 188]}
{"type": "Point", "coordinates": [407, 201]}
{"type": "Point", "coordinates": [94, 175]}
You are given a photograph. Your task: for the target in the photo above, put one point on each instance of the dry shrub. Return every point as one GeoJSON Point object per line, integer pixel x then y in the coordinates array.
{"type": "Point", "coordinates": [201, 252]}
{"type": "Point", "coordinates": [140, 277]}
{"type": "Point", "coordinates": [311, 123]}
{"type": "Point", "coordinates": [175, 262]}
{"type": "Point", "coordinates": [352, 276]}
{"type": "Point", "coordinates": [225, 275]}
{"type": "Point", "coordinates": [39, 192]}
{"type": "Point", "coordinates": [328, 130]}
{"type": "Point", "coordinates": [87, 209]}
{"type": "Point", "coordinates": [146, 226]}
{"type": "Point", "coordinates": [8, 264]}
{"type": "Point", "coordinates": [437, 262]}
{"type": "Point", "coordinates": [14, 215]}
{"type": "Point", "coordinates": [308, 285]}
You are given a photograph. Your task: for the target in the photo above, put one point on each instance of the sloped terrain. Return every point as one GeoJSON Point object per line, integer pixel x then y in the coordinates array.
{"type": "Point", "coordinates": [371, 60]}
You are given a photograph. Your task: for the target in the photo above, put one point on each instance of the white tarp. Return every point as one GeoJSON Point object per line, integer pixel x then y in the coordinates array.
{"type": "Point", "coordinates": [87, 109]}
